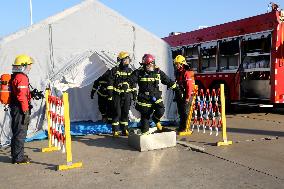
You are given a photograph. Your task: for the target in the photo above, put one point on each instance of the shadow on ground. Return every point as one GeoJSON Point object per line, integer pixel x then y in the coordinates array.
{"type": "Point", "coordinates": [249, 110]}
{"type": "Point", "coordinates": [255, 132]}
{"type": "Point", "coordinates": [105, 142]}
{"type": "Point", "coordinates": [5, 159]}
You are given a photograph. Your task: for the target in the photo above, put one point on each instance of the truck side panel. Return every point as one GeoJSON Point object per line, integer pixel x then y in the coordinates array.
{"type": "Point", "coordinates": [279, 61]}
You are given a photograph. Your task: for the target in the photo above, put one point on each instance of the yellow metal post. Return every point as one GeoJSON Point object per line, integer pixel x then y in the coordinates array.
{"type": "Point", "coordinates": [187, 131]}
{"type": "Point", "coordinates": [50, 147]}
{"type": "Point", "coordinates": [70, 164]}
{"type": "Point", "coordinates": [225, 141]}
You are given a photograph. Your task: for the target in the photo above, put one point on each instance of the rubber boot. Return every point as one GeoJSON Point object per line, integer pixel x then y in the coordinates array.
{"type": "Point", "coordinates": [25, 160]}
{"type": "Point", "coordinates": [159, 126]}
{"type": "Point", "coordinates": [115, 134]}
{"type": "Point", "coordinates": [125, 133]}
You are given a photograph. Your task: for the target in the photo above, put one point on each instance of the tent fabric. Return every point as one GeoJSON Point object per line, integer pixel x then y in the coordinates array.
{"type": "Point", "coordinates": [71, 50]}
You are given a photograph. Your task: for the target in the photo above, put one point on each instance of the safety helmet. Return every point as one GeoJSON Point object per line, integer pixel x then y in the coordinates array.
{"type": "Point", "coordinates": [23, 60]}
{"type": "Point", "coordinates": [180, 60]}
{"type": "Point", "coordinates": [148, 59]}
{"type": "Point", "coordinates": [122, 55]}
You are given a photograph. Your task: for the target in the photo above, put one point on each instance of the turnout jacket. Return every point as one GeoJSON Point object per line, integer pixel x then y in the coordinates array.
{"type": "Point", "coordinates": [185, 80]}
{"type": "Point", "coordinates": [119, 81]}
{"type": "Point", "coordinates": [20, 91]}
{"type": "Point", "coordinates": [148, 83]}
{"type": "Point", "coordinates": [101, 84]}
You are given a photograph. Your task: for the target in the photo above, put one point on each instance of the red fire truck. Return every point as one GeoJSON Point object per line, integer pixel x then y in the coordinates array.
{"type": "Point", "coordinates": [246, 55]}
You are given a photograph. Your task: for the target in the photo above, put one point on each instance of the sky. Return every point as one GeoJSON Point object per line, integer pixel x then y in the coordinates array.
{"type": "Point", "coordinates": [158, 16]}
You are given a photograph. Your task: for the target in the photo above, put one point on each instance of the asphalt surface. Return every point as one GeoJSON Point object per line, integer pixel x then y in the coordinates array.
{"type": "Point", "coordinates": [255, 160]}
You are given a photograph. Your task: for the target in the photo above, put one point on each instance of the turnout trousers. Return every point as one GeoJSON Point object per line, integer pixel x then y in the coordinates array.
{"type": "Point", "coordinates": [19, 127]}
{"type": "Point", "coordinates": [147, 109]}
{"type": "Point", "coordinates": [183, 111]}
{"type": "Point", "coordinates": [105, 107]}
{"type": "Point", "coordinates": [121, 107]}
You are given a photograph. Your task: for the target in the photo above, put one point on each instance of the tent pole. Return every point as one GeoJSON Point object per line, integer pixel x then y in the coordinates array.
{"type": "Point", "coordinates": [31, 12]}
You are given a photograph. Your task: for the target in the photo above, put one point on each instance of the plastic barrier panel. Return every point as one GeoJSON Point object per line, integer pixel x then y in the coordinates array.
{"type": "Point", "coordinates": [58, 121]}
{"type": "Point", "coordinates": [207, 112]}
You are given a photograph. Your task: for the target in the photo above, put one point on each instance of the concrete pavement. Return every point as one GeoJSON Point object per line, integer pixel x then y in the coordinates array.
{"type": "Point", "coordinates": [255, 160]}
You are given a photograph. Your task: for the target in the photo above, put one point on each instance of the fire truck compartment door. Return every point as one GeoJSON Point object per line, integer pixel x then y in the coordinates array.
{"type": "Point", "coordinates": [256, 89]}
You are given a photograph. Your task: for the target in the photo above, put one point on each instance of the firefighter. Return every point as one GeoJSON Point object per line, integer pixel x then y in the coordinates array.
{"type": "Point", "coordinates": [149, 100]}
{"type": "Point", "coordinates": [120, 92]}
{"type": "Point", "coordinates": [100, 86]}
{"type": "Point", "coordinates": [185, 81]}
{"type": "Point", "coordinates": [20, 107]}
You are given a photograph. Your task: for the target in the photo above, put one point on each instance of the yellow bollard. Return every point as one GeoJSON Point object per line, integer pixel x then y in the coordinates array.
{"type": "Point", "coordinates": [70, 164]}
{"type": "Point", "coordinates": [225, 141]}
{"type": "Point", "coordinates": [187, 131]}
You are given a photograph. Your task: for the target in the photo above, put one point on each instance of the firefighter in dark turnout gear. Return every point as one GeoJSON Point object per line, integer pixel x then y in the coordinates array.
{"type": "Point", "coordinates": [120, 92]}
{"type": "Point", "coordinates": [100, 86]}
{"type": "Point", "coordinates": [20, 107]}
{"type": "Point", "coordinates": [149, 99]}
{"type": "Point", "coordinates": [185, 81]}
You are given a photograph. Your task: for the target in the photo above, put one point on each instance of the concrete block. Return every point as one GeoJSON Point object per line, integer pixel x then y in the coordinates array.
{"type": "Point", "coordinates": [153, 141]}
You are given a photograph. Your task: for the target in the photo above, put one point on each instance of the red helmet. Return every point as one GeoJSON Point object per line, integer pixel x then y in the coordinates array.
{"type": "Point", "coordinates": [148, 59]}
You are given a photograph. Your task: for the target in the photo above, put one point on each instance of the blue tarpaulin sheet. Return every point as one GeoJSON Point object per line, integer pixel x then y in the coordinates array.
{"type": "Point", "coordinates": [89, 128]}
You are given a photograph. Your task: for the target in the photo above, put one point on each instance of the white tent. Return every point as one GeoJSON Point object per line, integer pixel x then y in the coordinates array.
{"type": "Point", "coordinates": [72, 49]}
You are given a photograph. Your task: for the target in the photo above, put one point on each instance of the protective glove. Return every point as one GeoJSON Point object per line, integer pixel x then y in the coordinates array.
{"type": "Point", "coordinates": [30, 108]}
{"type": "Point", "coordinates": [153, 99]}
{"type": "Point", "coordinates": [178, 94]}
{"type": "Point", "coordinates": [37, 95]}
{"type": "Point", "coordinates": [33, 93]}
{"type": "Point", "coordinates": [109, 94]}
{"type": "Point", "coordinates": [134, 95]}
{"type": "Point", "coordinates": [93, 93]}
{"type": "Point", "coordinates": [26, 118]}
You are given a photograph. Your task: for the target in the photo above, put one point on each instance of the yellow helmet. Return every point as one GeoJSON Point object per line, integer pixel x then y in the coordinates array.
{"type": "Point", "coordinates": [122, 55]}
{"type": "Point", "coordinates": [23, 60]}
{"type": "Point", "coordinates": [180, 60]}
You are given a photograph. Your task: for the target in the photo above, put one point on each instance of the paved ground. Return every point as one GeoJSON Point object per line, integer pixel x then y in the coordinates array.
{"type": "Point", "coordinates": [255, 160]}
